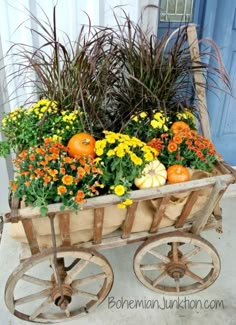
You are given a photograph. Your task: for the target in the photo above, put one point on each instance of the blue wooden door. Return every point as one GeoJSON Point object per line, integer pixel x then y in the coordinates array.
{"type": "Point", "coordinates": [174, 13]}
{"type": "Point", "coordinates": [216, 20]}
{"type": "Point", "coordinates": [221, 27]}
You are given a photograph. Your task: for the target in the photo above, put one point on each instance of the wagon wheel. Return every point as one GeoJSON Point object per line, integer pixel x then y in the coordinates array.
{"type": "Point", "coordinates": [33, 293]}
{"type": "Point", "coordinates": [177, 263]}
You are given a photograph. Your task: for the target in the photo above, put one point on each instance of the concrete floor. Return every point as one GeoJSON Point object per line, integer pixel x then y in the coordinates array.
{"type": "Point", "coordinates": [126, 285]}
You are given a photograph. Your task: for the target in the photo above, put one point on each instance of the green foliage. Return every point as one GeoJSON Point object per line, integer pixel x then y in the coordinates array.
{"type": "Point", "coordinates": [25, 128]}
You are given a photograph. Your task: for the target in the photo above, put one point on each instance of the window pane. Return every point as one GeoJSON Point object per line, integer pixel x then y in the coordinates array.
{"type": "Point", "coordinates": [176, 10]}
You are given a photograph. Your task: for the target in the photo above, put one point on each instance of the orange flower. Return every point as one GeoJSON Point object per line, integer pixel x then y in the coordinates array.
{"type": "Point", "coordinates": [62, 171]}
{"type": "Point", "coordinates": [27, 183]}
{"type": "Point", "coordinates": [23, 154]}
{"type": "Point", "coordinates": [47, 179]}
{"type": "Point", "coordinates": [79, 198]}
{"type": "Point", "coordinates": [68, 160]}
{"type": "Point", "coordinates": [32, 157]}
{"type": "Point", "coordinates": [82, 162]}
{"type": "Point", "coordinates": [81, 172]}
{"type": "Point", "coordinates": [52, 172]}
{"type": "Point", "coordinates": [87, 168]}
{"type": "Point", "coordinates": [54, 156]}
{"type": "Point", "coordinates": [67, 179]}
{"type": "Point", "coordinates": [73, 167]}
{"type": "Point", "coordinates": [61, 189]}
{"type": "Point", "coordinates": [177, 139]}
{"type": "Point", "coordinates": [43, 163]}
{"type": "Point", "coordinates": [14, 187]}
{"type": "Point", "coordinates": [172, 147]}
{"type": "Point", "coordinates": [54, 149]}
{"type": "Point", "coordinates": [47, 140]}
{"type": "Point", "coordinates": [40, 151]}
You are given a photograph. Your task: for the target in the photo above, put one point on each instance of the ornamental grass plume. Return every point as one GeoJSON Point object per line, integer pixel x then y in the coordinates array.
{"type": "Point", "coordinates": [46, 174]}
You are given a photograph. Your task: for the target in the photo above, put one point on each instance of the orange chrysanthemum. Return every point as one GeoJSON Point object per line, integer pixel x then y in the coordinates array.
{"type": "Point", "coordinates": [61, 190]}
{"type": "Point", "coordinates": [14, 187]}
{"type": "Point", "coordinates": [177, 139]}
{"type": "Point", "coordinates": [172, 147]}
{"type": "Point", "coordinates": [67, 179]}
{"type": "Point", "coordinates": [52, 172]}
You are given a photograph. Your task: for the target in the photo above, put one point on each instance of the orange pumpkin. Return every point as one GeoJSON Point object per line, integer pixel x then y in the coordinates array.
{"type": "Point", "coordinates": [179, 126]}
{"type": "Point", "coordinates": [177, 174]}
{"type": "Point", "coordinates": [81, 145]}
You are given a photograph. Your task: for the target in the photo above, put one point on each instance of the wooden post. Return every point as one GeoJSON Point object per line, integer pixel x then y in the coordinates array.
{"type": "Point", "coordinates": [31, 236]}
{"type": "Point", "coordinates": [64, 225]}
{"type": "Point", "coordinates": [129, 220]}
{"type": "Point", "coordinates": [159, 214]}
{"type": "Point", "coordinates": [98, 225]}
{"type": "Point", "coordinates": [199, 81]}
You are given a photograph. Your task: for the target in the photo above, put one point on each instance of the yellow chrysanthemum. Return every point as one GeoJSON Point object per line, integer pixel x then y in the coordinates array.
{"type": "Point", "coordinates": [119, 190]}
{"type": "Point", "coordinates": [143, 115]}
{"type": "Point", "coordinates": [148, 156]}
{"type": "Point", "coordinates": [99, 151]}
{"type": "Point", "coordinates": [110, 153]}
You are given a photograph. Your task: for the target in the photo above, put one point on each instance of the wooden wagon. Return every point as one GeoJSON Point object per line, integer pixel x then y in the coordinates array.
{"type": "Point", "coordinates": [70, 278]}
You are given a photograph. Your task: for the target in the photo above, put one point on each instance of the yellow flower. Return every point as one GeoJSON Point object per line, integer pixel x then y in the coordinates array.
{"type": "Point", "coordinates": [143, 115]}
{"type": "Point", "coordinates": [165, 128]}
{"type": "Point", "coordinates": [120, 152]}
{"type": "Point", "coordinates": [97, 160]}
{"type": "Point", "coordinates": [128, 202]}
{"type": "Point", "coordinates": [110, 153]}
{"type": "Point", "coordinates": [121, 206]}
{"type": "Point", "coordinates": [159, 117]}
{"type": "Point", "coordinates": [155, 124]}
{"type": "Point", "coordinates": [119, 190]}
{"type": "Point", "coordinates": [100, 144]}
{"type": "Point", "coordinates": [99, 151]}
{"type": "Point", "coordinates": [148, 156]}
{"type": "Point", "coordinates": [135, 119]}
{"type": "Point", "coordinates": [136, 160]}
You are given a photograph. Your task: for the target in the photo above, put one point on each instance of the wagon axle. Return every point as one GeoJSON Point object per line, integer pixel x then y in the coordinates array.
{"type": "Point", "coordinates": [64, 299]}
{"type": "Point", "coordinates": [176, 270]}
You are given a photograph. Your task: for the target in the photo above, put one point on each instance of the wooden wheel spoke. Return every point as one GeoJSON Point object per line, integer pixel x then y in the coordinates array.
{"type": "Point", "coordinates": [152, 267]}
{"type": "Point", "coordinates": [194, 276]}
{"type": "Point", "coordinates": [75, 271]}
{"type": "Point", "coordinates": [88, 279]}
{"type": "Point", "coordinates": [190, 254]}
{"type": "Point", "coordinates": [53, 266]}
{"type": "Point", "coordinates": [177, 285]}
{"type": "Point", "coordinates": [199, 264]}
{"type": "Point", "coordinates": [38, 310]}
{"type": "Point", "coordinates": [175, 251]}
{"type": "Point", "coordinates": [67, 312]}
{"type": "Point", "coordinates": [32, 297]}
{"type": "Point", "coordinates": [160, 277]}
{"type": "Point", "coordinates": [161, 257]}
{"type": "Point", "coordinates": [36, 281]}
{"type": "Point", "coordinates": [85, 294]}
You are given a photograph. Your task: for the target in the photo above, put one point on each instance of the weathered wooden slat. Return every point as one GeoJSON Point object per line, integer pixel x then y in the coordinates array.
{"type": "Point", "coordinates": [159, 214]}
{"type": "Point", "coordinates": [31, 236]}
{"type": "Point", "coordinates": [98, 225]}
{"type": "Point", "coordinates": [144, 194]}
{"type": "Point", "coordinates": [187, 209]}
{"type": "Point", "coordinates": [64, 225]}
{"type": "Point", "coordinates": [199, 81]}
{"type": "Point", "coordinates": [202, 216]}
{"type": "Point", "coordinates": [129, 220]}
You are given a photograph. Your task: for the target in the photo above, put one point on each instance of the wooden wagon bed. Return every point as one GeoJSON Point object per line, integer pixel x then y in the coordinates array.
{"type": "Point", "coordinates": [167, 253]}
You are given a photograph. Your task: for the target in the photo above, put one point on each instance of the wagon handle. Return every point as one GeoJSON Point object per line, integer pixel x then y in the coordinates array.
{"type": "Point", "coordinates": [198, 78]}
{"type": "Point", "coordinates": [51, 217]}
